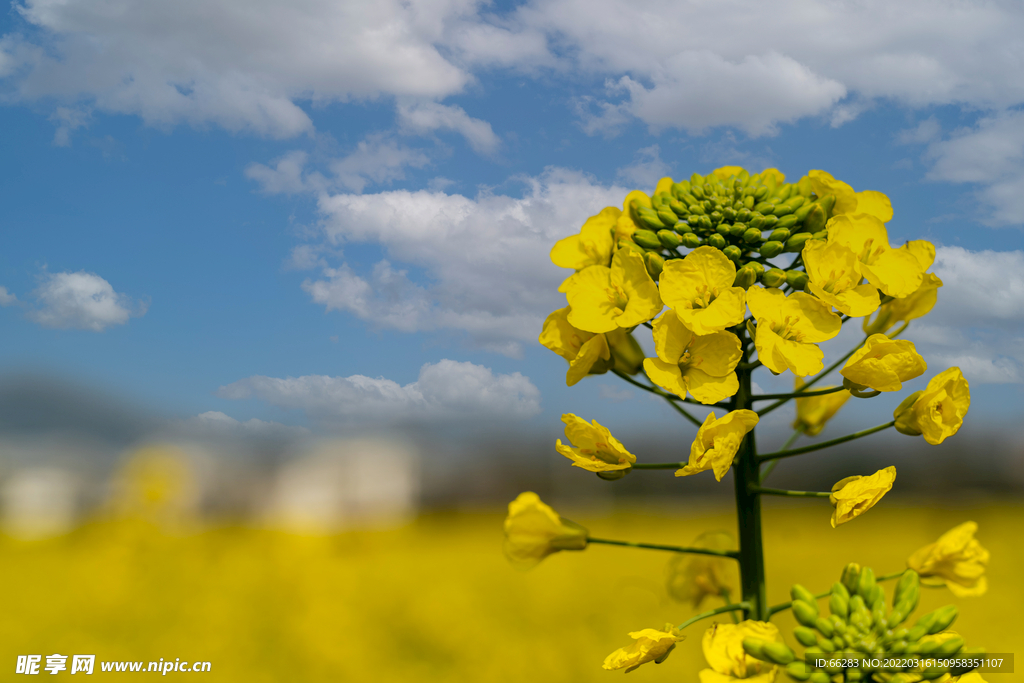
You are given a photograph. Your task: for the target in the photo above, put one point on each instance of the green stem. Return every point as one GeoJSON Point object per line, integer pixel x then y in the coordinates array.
{"type": "Point", "coordinates": [671, 548]}
{"type": "Point", "coordinates": [736, 607]}
{"type": "Point", "coordinates": [826, 444]}
{"type": "Point", "coordinates": [813, 381]}
{"type": "Point", "coordinates": [658, 465]}
{"type": "Point", "coordinates": [797, 394]}
{"type": "Point", "coordinates": [746, 473]}
{"type": "Point", "coordinates": [791, 494]}
{"type": "Point", "coordinates": [774, 463]}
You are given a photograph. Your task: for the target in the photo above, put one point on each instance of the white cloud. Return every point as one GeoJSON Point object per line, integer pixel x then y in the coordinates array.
{"type": "Point", "coordinates": [426, 117]}
{"type": "Point", "coordinates": [286, 177]}
{"type": "Point", "coordinates": [6, 298]}
{"type": "Point", "coordinates": [68, 119]}
{"type": "Point", "coordinates": [216, 423]}
{"type": "Point", "coordinates": [484, 261]}
{"type": "Point", "coordinates": [83, 301]}
{"type": "Point", "coordinates": [447, 390]}
{"type": "Point", "coordinates": [646, 170]}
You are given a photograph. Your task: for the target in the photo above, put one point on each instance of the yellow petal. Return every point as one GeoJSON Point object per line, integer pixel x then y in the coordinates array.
{"type": "Point", "coordinates": [856, 495]}
{"type": "Point", "coordinates": [671, 337]}
{"type": "Point", "coordinates": [897, 273]}
{"type": "Point", "coordinates": [717, 353]}
{"type": "Point", "coordinates": [591, 353]}
{"type": "Point", "coordinates": [710, 389]}
{"type": "Point", "coordinates": [643, 301]}
{"type": "Point", "coordinates": [884, 364]}
{"type": "Point", "coordinates": [726, 172]}
{"type": "Point", "coordinates": [591, 307]}
{"type": "Point", "coordinates": [875, 204]}
{"type": "Point", "coordinates": [668, 376]}
{"type": "Point", "coordinates": [780, 354]}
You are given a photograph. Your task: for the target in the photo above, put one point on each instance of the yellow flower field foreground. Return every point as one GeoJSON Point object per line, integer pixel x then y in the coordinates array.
{"type": "Point", "coordinates": [436, 600]}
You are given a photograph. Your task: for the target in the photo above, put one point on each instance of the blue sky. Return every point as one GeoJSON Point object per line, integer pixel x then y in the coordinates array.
{"type": "Point", "coordinates": [233, 207]}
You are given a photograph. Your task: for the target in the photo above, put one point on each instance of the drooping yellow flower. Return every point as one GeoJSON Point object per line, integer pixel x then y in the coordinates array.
{"type": "Point", "coordinates": [788, 329]}
{"type": "Point", "coordinates": [848, 201]}
{"type": "Point", "coordinates": [533, 531]}
{"type": "Point", "coordinates": [651, 645]}
{"type": "Point", "coordinates": [957, 558]}
{"type": "Point", "coordinates": [602, 299]}
{"type": "Point", "coordinates": [717, 442]}
{"type": "Point", "coordinates": [691, 578]}
{"type": "Point", "coordinates": [587, 353]}
{"type": "Point", "coordinates": [916, 305]}
{"type": "Point", "coordinates": [596, 449]}
{"type": "Point", "coordinates": [723, 650]}
{"type": "Point", "coordinates": [814, 411]}
{"type": "Point", "coordinates": [835, 278]}
{"type": "Point", "coordinates": [854, 496]}
{"type": "Point", "coordinates": [897, 272]}
{"type": "Point", "coordinates": [703, 365]}
{"type": "Point", "coordinates": [938, 411]}
{"type": "Point", "coordinates": [884, 364]}
{"type": "Point", "coordinates": [699, 289]}
{"type": "Point", "coordinates": [593, 246]}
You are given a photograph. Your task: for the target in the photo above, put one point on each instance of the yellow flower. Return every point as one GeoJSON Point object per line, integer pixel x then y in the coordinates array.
{"type": "Point", "coordinates": [814, 411]}
{"type": "Point", "coordinates": [897, 272]}
{"type": "Point", "coordinates": [587, 353]}
{"type": "Point", "coordinates": [911, 307]}
{"type": "Point", "coordinates": [651, 645]}
{"type": "Point", "coordinates": [835, 278]}
{"type": "Point", "coordinates": [593, 246]}
{"type": "Point", "coordinates": [717, 442]}
{"type": "Point", "coordinates": [788, 327]}
{"type": "Point", "coordinates": [626, 225]}
{"type": "Point", "coordinates": [775, 173]}
{"type": "Point", "coordinates": [884, 364]}
{"type": "Point", "coordinates": [937, 411]}
{"type": "Point", "coordinates": [726, 172]}
{"type": "Point", "coordinates": [723, 650]}
{"type": "Point", "coordinates": [848, 201]}
{"type": "Point", "coordinates": [691, 578]}
{"type": "Point", "coordinates": [602, 299]}
{"type": "Point", "coordinates": [596, 449]}
{"type": "Point", "coordinates": [957, 558]}
{"type": "Point", "coordinates": [701, 365]}
{"type": "Point", "coordinates": [699, 289]}
{"type": "Point", "coordinates": [533, 531]}
{"type": "Point", "coordinates": [854, 496]}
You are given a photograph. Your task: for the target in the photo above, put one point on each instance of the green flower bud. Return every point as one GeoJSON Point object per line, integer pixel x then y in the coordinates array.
{"type": "Point", "coordinates": [815, 218]}
{"type": "Point", "coordinates": [678, 208]}
{"type": "Point", "coordinates": [660, 200]}
{"type": "Point", "coordinates": [805, 613]}
{"type": "Point", "coordinates": [803, 186]}
{"type": "Point", "coordinates": [716, 216]}
{"type": "Point", "coordinates": [774, 277]}
{"type": "Point", "coordinates": [729, 214]}
{"type": "Point", "coordinates": [723, 229]}
{"type": "Point", "coordinates": [781, 210]}
{"type": "Point", "coordinates": [754, 647]}
{"type": "Point", "coordinates": [855, 676]}
{"type": "Point", "coordinates": [777, 652]}
{"type": "Point", "coordinates": [877, 596]}
{"type": "Point", "coordinates": [733, 252]}
{"type": "Point", "coordinates": [761, 193]}
{"type": "Point", "coordinates": [748, 203]}
{"type": "Point", "coordinates": [850, 577]}
{"type": "Point", "coordinates": [745, 276]}
{"type": "Point", "coordinates": [612, 475]}
{"type": "Point", "coordinates": [826, 645]}
{"type": "Point", "coordinates": [650, 219]}
{"type": "Point", "coordinates": [691, 241]}
{"type": "Point", "coordinates": [680, 188]}
{"type": "Point", "coordinates": [769, 222]}
{"type": "Point", "coordinates": [805, 210]}
{"type": "Point", "coordinates": [654, 263]}
{"type": "Point", "coordinates": [796, 242]}
{"type": "Point", "coordinates": [784, 191]}
{"type": "Point", "coordinates": [789, 221]}
{"type": "Point", "coordinates": [696, 180]}
{"type": "Point", "coordinates": [820, 235]}
{"type": "Point", "coordinates": [806, 636]}
{"type": "Point", "coordinates": [771, 249]}
{"type": "Point", "coordinates": [697, 208]}
{"type": "Point", "coordinates": [743, 215]}
{"type": "Point", "coordinates": [647, 239]}
{"type": "Point", "coordinates": [798, 592]}
{"type": "Point", "coordinates": [824, 626]}
{"type": "Point", "coordinates": [705, 222]}
{"type": "Point", "coordinates": [933, 672]}
{"type": "Point", "coordinates": [796, 201]}
{"type": "Point", "coordinates": [839, 605]}
{"type": "Point", "coordinates": [827, 203]}
{"type": "Point", "coordinates": [944, 618]}
{"type": "Point", "coordinates": [751, 235]}
{"type": "Point", "coordinates": [798, 671]}
{"type": "Point", "coordinates": [737, 230]}
{"type": "Point", "coordinates": [904, 416]}
{"type": "Point", "coordinates": [797, 279]}
{"type": "Point", "coordinates": [950, 647]}
{"type": "Point", "coordinates": [764, 208]}
{"type": "Point", "coordinates": [631, 245]}
{"type": "Point", "coordinates": [779, 235]}
{"type": "Point", "coordinates": [756, 221]}
{"type": "Point", "coordinates": [669, 239]}
{"type": "Point", "coordinates": [758, 268]}
{"type": "Point", "coordinates": [717, 241]}
{"type": "Point", "coordinates": [819, 677]}
{"type": "Point", "coordinates": [866, 583]}
{"type": "Point", "coordinates": [682, 227]}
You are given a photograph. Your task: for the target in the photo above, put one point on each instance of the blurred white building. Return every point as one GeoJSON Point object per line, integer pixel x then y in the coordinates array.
{"type": "Point", "coordinates": [40, 501]}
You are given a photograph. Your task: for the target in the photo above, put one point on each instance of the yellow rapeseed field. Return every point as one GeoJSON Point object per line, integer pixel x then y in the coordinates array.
{"type": "Point", "coordinates": [435, 600]}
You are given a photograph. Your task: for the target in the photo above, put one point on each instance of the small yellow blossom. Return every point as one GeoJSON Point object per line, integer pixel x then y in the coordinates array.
{"type": "Point", "coordinates": [533, 531]}
{"type": "Point", "coordinates": [602, 299]}
{"type": "Point", "coordinates": [911, 307]}
{"type": "Point", "coordinates": [834, 277]}
{"type": "Point", "coordinates": [651, 645]}
{"type": "Point", "coordinates": [775, 173]}
{"type": "Point", "coordinates": [587, 353]}
{"type": "Point", "coordinates": [596, 449]}
{"type": "Point", "coordinates": [723, 650]}
{"type": "Point", "coordinates": [788, 329]}
{"type": "Point", "coordinates": [717, 442]}
{"type": "Point", "coordinates": [854, 496]}
{"type": "Point", "coordinates": [957, 558]}
{"type": "Point", "coordinates": [593, 246]}
{"type": "Point", "coordinates": [699, 289]}
{"type": "Point", "coordinates": [884, 364]}
{"type": "Point", "coordinates": [626, 225]}
{"type": "Point", "coordinates": [897, 272]}
{"type": "Point", "coordinates": [726, 172]}
{"type": "Point", "coordinates": [938, 411]}
{"type": "Point", "coordinates": [691, 578]}
{"type": "Point", "coordinates": [702, 365]}
{"type": "Point", "coordinates": [847, 201]}
{"type": "Point", "coordinates": [814, 411]}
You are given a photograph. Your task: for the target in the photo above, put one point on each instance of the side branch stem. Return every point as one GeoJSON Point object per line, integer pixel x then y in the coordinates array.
{"type": "Point", "coordinates": [796, 394]}
{"type": "Point", "coordinates": [668, 397]}
{"type": "Point", "coordinates": [791, 494]}
{"type": "Point", "coordinates": [826, 444]}
{"type": "Point", "coordinates": [671, 548]}
{"type": "Point", "coordinates": [737, 607]}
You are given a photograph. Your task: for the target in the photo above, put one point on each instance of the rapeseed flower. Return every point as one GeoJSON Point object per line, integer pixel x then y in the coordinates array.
{"type": "Point", "coordinates": [596, 449]}
{"type": "Point", "coordinates": [814, 411]}
{"type": "Point", "coordinates": [847, 201]}
{"type": "Point", "coordinates": [938, 411]}
{"type": "Point", "coordinates": [717, 442]}
{"type": "Point", "coordinates": [854, 496]}
{"type": "Point", "coordinates": [835, 278]}
{"type": "Point", "coordinates": [701, 365]}
{"type": "Point", "coordinates": [651, 645]}
{"type": "Point", "coordinates": [593, 246]}
{"type": "Point", "coordinates": [911, 307]}
{"type": "Point", "coordinates": [884, 364]}
{"type": "Point", "coordinates": [533, 531]}
{"type": "Point", "coordinates": [602, 299]}
{"type": "Point", "coordinates": [788, 329]}
{"type": "Point", "coordinates": [957, 558]}
{"type": "Point", "coordinates": [723, 650]}
{"type": "Point", "coordinates": [699, 289]}
{"type": "Point", "coordinates": [897, 272]}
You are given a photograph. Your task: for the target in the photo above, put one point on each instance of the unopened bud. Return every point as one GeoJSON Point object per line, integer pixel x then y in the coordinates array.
{"type": "Point", "coordinates": [775, 277]}
{"type": "Point", "coordinates": [769, 222]}
{"type": "Point", "coordinates": [944, 618]}
{"type": "Point", "coordinates": [779, 235]}
{"type": "Point", "coordinates": [764, 207]}
{"type": "Point", "coordinates": [798, 671]}
{"type": "Point", "coordinates": [717, 241]}
{"type": "Point", "coordinates": [815, 218]}
{"type": "Point", "coordinates": [631, 245]}
{"type": "Point", "coordinates": [909, 581]}
{"type": "Point", "coordinates": [647, 239]}
{"type": "Point", "coordinates": [839, 605]}
{"type": "Point", "coordinates": [850, 577]}
{"type": "Point", "coordinates": [655, 264]}
{"type": "Point", "coordinates": [691, 241]}
{"type": "Point", "coordinates": [904, 415]}
{"type": "Point", "coordinates": [751, 235]}
{"type": "Point", "coordinates": [805, 613]}
{"type": "Point", "coordinates": [796, 242]}
{"type": "Point", "coordinates": [797, 279]}
{"type": "Point", "coordinates": [771, 249]}
{"type": "Point", "coordinates": [732, 252]}
{"type": "Point", "coordinates": [778, 653]}
{"type": "Point", "coordinates": [649, 219]}
{"type": "Point", "coordinates": [754, 647]}
{"type": "Point", "coordinates": [612, 475]}
{"type": "Point", "coordinates": [789, 221]}
{"type": "Point", "coordinates": [824, 626]}
{"type": "Point", "coordinates": [805, 635]}
{"type": "Point", "coordinates": [745, 276]}
{"type": "Point", "coordinates": [669, 239]}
